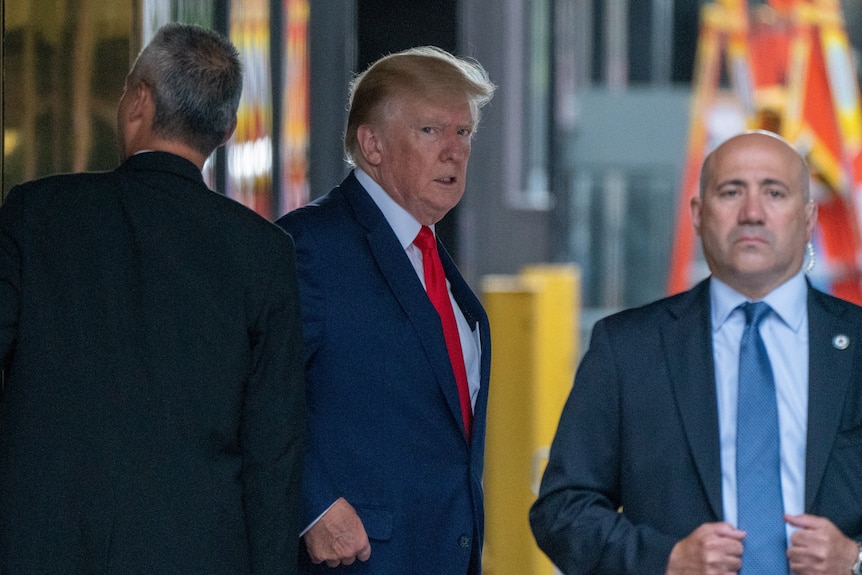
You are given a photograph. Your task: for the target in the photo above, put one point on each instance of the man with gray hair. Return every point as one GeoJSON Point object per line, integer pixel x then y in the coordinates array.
{"type": "Point", "coordinates": [152, 416]}
{"type": "Point", "coordinates": [397, 345]}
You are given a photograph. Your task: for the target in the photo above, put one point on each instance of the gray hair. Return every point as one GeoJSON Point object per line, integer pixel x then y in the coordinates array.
{"type": "Point", "coordinates": [195, 77]}
{"type": "Point", "coordinates": [426, 71]}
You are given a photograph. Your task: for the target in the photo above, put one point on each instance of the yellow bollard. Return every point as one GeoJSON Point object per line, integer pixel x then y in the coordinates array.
{"type": "Point", "coordinates": [535, 338]}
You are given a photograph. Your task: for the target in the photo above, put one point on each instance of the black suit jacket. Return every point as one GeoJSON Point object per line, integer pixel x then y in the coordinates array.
{"type": "Point", "coordinates": [385, 427]}
{"type": "Point", "coordinates": [153, 413]}
{"type": "Point", "coordinates": [640, 432]}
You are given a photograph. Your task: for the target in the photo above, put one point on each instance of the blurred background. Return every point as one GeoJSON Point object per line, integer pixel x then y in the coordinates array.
{"type": "Point", "coordinates": [582, 168]}
{"type": "Point", "coordinates": [603, 107]}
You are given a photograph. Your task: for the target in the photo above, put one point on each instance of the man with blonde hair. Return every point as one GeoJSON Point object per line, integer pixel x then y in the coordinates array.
{"type": "Point", "coordinates": [397, 353]}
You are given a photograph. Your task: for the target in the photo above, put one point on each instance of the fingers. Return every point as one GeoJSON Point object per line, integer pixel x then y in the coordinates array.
{"type": "Point", "coordinates": [365, 553]}
{"type": "Point", "coordinates": [723, 530]}
{"type": "Point", "coordinates": [712, 548]}
{"type": "Point", "coordinates": [338, 537]}
{"type": "Point", "coordinates": [806, 521]}
{"type": "Point", "coordinates": [818, 546]}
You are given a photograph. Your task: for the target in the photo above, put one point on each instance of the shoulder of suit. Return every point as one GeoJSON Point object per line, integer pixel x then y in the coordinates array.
{"type": "Point", "coordinates": [832, 304]}
{"type": "Point", "coordinates": [66, 181]}
{"type": "Point", "coordinates": [59, 188]}
{"type": "Point", "coordinates": [324, 215]}
{"type": "Point", "coordinates": [657, 312]}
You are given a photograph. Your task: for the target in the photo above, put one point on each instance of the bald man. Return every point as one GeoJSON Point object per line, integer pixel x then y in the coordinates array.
{"type": "Point", "coordinates": [643, 475]}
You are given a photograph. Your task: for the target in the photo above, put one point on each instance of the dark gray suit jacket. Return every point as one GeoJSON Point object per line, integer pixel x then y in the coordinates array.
{"type": "Point", "coordinates": [153, 413]}
{"type": "Point", "coordinates": [640, 432]}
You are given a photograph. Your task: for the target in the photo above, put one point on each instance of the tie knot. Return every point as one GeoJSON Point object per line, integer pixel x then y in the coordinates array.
{"type": "Point", "coordinates": [425, 240]}
{"type": "Point", "coordinates": [755, 311]}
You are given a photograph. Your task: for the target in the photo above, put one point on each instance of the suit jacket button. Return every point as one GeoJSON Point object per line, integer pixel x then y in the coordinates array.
{"type": "Point", "coordinates": [464, 541]}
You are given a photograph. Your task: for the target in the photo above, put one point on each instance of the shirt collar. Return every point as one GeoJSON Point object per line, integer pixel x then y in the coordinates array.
{"type": "Point", "coordinates": [403, 224]}
{"type": "Point", "coordinates": [788, 301]}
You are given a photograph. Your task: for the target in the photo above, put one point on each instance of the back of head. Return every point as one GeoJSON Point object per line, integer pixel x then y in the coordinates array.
{"type": "Point", "coordinates": [423, 72]}
{"type": "Point", "coordinates": [195, 77]}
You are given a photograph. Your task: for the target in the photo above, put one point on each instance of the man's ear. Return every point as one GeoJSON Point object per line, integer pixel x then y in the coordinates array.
{"type": "Point", "coordinates": [369, 144]}
{"type": "Point", "coordinates": [142, 102]}
{"type": "Point", "coordinates": [811, 212]}
{"type": "Point", "coordinates": [229, 133]}
{"type": "Point", "coordinates": [695, 207]}
{"type": "Point", "coordinates": [135, 114]}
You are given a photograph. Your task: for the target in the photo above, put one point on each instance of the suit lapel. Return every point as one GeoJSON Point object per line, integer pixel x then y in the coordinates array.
{"type": "Point", "coordinates": [473, 311]}
{"type": "Point", "coordinates": [399, 273]}
{"type": "Point", "coordinates": [687, 345]}
{"type": "Point", "coordinates": [829, 371]}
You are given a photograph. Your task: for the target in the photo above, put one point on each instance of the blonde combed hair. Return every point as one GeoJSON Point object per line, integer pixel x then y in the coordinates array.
{"type": "Point", "coordinates": [425, 72]}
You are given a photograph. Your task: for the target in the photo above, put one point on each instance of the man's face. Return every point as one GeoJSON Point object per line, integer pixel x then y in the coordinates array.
{"type": "Point", "coordinates": [421, 152]}
{"type": "Point", "coordinates": [753, 218]}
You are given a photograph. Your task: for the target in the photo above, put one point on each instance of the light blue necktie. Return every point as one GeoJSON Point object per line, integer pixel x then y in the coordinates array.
{"type": "Point", "coordinates": [758, 459]}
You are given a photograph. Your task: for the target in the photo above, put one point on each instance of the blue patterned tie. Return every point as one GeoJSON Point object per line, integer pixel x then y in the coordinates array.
{"type": "Point", "coordinates": [758, 459]}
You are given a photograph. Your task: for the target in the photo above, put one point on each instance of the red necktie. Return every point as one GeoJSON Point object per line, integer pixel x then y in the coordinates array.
{"type": "Point", "coordinates": [435, 285]}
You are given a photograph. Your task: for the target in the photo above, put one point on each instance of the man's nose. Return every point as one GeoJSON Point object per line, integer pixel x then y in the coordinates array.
{"type": "Point", "coordinates": [456, 148]}
{"type": "Point", "coordinates": [752, 209]}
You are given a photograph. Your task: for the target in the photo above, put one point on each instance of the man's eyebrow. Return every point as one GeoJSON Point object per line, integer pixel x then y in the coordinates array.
{"type": "Point", "coordinates": [773, 182]}
{"type": "Point", "coordinates": [730, 182]}
{"type": "Point", "coordinates": [763, 182]}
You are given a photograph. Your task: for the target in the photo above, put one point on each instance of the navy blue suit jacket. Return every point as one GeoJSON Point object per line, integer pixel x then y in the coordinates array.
{"type": "Point", "coordinates": [385, 427]}
{"type": "Point", "coordinates": [640, 432]}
